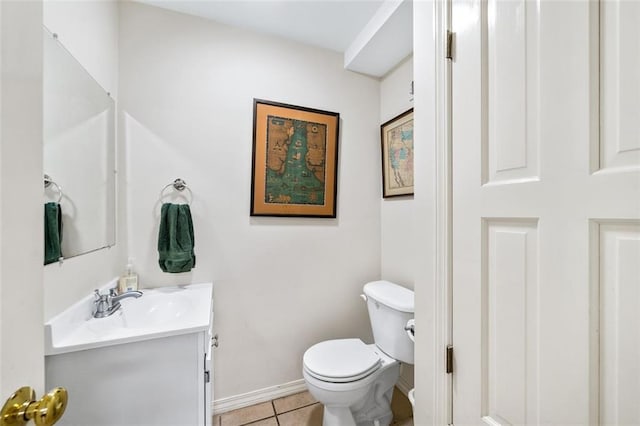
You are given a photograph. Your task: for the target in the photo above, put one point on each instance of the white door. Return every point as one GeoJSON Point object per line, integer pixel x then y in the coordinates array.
{"type": "Point", "coordinates": [546, 212]}
{"type": "Point", "coordinates": [21, 224]}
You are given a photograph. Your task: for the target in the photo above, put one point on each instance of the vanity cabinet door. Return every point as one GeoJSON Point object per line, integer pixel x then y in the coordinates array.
{"type": "Point", "coordinates": [152, 382]}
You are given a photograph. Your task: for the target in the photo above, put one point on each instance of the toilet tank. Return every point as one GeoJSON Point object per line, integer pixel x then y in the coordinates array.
{"type": "Point", "coordinates": [390, 307]}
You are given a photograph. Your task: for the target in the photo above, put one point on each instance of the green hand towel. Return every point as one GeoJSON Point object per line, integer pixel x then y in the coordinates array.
{"type": "Point", "coordinates": [175, 239]}
{"type": "Point", "coordinates": [52, 233]}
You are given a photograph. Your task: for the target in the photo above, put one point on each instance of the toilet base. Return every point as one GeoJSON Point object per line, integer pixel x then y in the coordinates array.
{"type": "Point", "coordinates": [376, 409]}
{"type": "Point", "coordinates": [343, 416]}
{"type": "Point", "coordinates": [337, 416]}
{"type": "Point", "coordinates": [372, 410]}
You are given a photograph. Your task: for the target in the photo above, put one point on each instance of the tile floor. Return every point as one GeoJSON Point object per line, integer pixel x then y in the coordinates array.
{"type": "Point", "coordinates": [300, 409]}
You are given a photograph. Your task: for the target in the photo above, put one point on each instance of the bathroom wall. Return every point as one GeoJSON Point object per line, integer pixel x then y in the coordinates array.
{"type": "Point", "coordinates": [397, 213]}
{"type": "Point", "coordinates": [89, 30]}
{"type": "Point", "coordinates": [398, 246]}
{"type": "Point", "coordinates": [21, 224]}
{"type": "Point", "coordinates": [281, 284]}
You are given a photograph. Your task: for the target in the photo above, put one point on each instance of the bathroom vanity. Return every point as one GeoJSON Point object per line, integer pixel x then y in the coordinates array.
{"type": "Point", "coordinates": [150, 363]}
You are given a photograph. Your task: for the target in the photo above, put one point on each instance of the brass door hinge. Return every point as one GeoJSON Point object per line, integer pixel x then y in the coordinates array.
{"type": "Point", "coordinates": [450, 45]}
{"type": "Point", "coordinates": [449, 359]}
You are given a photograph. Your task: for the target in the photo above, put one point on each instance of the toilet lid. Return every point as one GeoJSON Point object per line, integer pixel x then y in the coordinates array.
{"type": "Point", "coordinates": [341, 360]}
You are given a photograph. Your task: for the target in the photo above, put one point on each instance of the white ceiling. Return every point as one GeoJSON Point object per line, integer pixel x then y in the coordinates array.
{"type": "Point", "coordinates": [338, 25]}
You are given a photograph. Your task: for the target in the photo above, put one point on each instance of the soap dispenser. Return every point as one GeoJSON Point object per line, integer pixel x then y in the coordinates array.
{"type": "Point", "coordinates": [129, 281]}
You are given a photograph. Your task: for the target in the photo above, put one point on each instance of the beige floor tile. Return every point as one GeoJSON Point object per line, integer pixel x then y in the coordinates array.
{"type": "Point", "coordinates": [292, 402]}
{"type": "Point", "coordinates": [400, 406]}
{"type": "Point", "coordinates": [246, 415]}
{"type": "Point", "coordinates": [216, 420]}
{"type": "Point", "coordinates": [271, 421]}
{"type": "Point", "coordinates": [306, 416]}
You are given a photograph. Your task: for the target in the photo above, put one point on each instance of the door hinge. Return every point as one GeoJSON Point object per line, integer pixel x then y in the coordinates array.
{"type": "Point", "coordinates": [207, 376]}
{"type": "Point", "coordinates": [449, 48]}
{"type": "Point", "coordinates": [449, 359]}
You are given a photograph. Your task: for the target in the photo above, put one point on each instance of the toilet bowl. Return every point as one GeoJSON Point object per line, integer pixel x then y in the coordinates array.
{"type": "Point", "coordinates": [355, 392]}
{"type": "Point", "coordinates": [353, 380]}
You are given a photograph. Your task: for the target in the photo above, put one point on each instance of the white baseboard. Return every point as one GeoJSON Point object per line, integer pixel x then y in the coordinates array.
{"type": "Point", "coordinates": [256, 397]}
{"type": "Point", "coordinates": [235, 402]}
{"type": "Point", "coordinates": [403, 385]}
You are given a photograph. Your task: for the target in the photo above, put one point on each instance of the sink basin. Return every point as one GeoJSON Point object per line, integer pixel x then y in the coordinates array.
{"type": "Point", "coordinates": [157, 308]}
{"type": "Point", "coordinates": [158, 313]}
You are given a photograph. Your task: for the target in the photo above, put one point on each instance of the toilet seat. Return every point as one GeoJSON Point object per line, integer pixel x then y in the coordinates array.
{"type": "Point", "coordinates": [341, 361]}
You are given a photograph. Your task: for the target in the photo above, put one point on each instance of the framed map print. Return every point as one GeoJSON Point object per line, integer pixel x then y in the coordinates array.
{"type": "Point", "coordinates": [397, 155]}
{"type": "Point", "coordinates": [295, 158]}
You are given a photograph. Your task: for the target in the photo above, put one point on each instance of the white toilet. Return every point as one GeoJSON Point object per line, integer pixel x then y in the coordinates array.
{"type": "Point", "coordinates": [353, 380]}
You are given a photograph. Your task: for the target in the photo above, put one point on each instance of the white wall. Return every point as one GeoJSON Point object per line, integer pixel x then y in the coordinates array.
{"type": "Point", "coordinates": [398, 246]}
{"type": "Point", "coordinates": [89, 30]}
{"type": "Point", "coordinates": [21, 224]}
{"type": "Point", "coordinates": [396, 213]}
{"type": "Point", "coordinates": [281, 284]}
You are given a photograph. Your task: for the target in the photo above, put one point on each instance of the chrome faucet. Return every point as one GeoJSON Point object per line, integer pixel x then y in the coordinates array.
{"type": "Point", "coordinates": [107, 304]}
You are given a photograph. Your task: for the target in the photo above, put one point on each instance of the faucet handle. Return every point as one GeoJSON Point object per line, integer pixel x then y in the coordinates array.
{"type": "Point", "coordinates": [97, 294]}
{"type": "Point", "coordinates": [113, 291]}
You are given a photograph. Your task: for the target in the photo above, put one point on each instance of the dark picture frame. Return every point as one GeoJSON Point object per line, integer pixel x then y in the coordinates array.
{"type": "Point", "coordinates": [294, 168]}
{"type": "Point", "coordinates": [396, 137]}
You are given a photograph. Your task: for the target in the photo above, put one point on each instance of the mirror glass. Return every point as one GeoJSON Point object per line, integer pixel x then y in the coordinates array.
{"type": "Point", "coordinates": [79, 151]}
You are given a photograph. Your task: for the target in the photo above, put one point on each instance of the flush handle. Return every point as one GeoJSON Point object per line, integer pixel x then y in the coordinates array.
{"type": "Point", "coordinates": [410, 328]}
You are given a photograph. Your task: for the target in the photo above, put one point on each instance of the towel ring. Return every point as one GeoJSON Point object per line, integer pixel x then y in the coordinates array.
{"type": "Point", "coordinates": [179, 185]}
{"type": "Point", "coordinates": [48, 182]}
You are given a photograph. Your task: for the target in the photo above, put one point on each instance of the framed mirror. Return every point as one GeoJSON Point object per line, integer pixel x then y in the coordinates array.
{"type": "Point", "coordinates": [79, 152]}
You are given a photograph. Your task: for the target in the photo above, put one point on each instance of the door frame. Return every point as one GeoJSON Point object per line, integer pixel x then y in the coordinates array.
{"type": "Point", "coordinates": [432, 112]}
{"type": "Point", "coordinates": [444, 200]}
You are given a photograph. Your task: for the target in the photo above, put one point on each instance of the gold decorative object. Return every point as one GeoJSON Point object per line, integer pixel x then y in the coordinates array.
{"type": "Point", "coordinates": [22, 407]}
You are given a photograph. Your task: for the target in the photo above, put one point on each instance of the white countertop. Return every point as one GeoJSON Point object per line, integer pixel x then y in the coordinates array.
{"type": "Point", "coordinates": [160, 312]}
